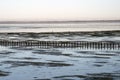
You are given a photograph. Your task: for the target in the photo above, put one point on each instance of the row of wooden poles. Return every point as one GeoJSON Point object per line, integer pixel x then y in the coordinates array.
{"type": "Point", "coordinates": [62, 44]}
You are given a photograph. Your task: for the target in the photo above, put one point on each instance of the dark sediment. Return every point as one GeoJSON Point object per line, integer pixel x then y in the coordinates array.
{"type": "Point", "coordinates": [38, 64]}
{"type": "Point", "coordinates": [3, 73]}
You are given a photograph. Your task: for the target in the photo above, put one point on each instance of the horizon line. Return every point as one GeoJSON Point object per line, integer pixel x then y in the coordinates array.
{"type": "Point", "coordinates": [56, 21]}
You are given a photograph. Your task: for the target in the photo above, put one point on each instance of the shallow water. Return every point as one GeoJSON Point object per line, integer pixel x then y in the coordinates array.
{"type": "Point", "coordinates": [58, 64]}
{"type": "Point", "coordinates": [35, 63]}
{"type": "Point", "coordinates": [60, 27]}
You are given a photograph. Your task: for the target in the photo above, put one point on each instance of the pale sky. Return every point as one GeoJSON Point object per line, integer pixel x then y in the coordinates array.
{"type": "Point", "coordinates": [59, 9]}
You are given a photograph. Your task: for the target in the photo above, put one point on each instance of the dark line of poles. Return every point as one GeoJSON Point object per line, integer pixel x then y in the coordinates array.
{"type": "Point", "coordinates": [62, 44]}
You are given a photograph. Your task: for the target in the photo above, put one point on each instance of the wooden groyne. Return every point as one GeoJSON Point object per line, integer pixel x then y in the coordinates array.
{"type": "Point", "coordinates": [62, 44]}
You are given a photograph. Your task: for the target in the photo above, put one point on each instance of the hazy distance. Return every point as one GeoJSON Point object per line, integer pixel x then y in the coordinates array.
{"type": "Point", "coordinates": [42, 10]}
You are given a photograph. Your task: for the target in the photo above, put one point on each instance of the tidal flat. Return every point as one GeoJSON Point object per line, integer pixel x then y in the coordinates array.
{"type": "Point", "coordinates": [34, 63]}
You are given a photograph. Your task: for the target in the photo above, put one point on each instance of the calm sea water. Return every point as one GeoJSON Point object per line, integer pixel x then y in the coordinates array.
{"type": "Point", "coordinates": [56, 27]}
{"type": "Point", "coordinates": [59, 63]}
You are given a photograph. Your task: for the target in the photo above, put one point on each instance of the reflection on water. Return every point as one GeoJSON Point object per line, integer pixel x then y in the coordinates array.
{"type": "Point", "coordinates": [60, 27]}
{"type": "Point", "coordinates": [57, 63]}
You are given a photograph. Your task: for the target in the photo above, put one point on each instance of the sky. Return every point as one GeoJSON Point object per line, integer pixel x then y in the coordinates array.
{"type": "Point", "coordinates": [59, 10]}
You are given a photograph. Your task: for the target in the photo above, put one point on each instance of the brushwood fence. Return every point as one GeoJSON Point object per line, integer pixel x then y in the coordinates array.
{"type": "Point", "coordinates": [109, 45]}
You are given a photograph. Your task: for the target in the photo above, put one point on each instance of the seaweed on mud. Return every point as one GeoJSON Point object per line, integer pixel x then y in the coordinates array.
{"type": "Point", "coordinates": [3, 73]}
{"type": "Point", "coordinates": [103, 33]}
{"type": "Point", "coordinates": [22, 48]}
{"type": "Point", "coordinates": [6, 52]}
{"type": "Point", "coordinates": [100, 76]}
{"type": "Point", "coordinates": [27, 63]}
{"type": "Point", "coordinates": [107, 54]}
{"type": "Point", "coordinates": [33, 35]}
{"type": "Point", "coordinates": [55, 61]}
{"type": "Point", "coordinates": [86, 52]}
{"type": "Point", "coordinates": [29, 35]}
{"type": "Point", "coordinates": [97, 65]}
{"type": "Point", "coordinates": [102, 57]}
{"type": "Point", "coordinates": [103, 62]}
{"type": "Point", "coordinates": [103, 76]}
{"type": "Point", "coordinates": [117, 60]}
{"type": "Point", "coordinates": [99, 54]}
{"type": "Point", "coordinates": [27, 58]}
{"type": "Point", "coordinates": [79, 76]}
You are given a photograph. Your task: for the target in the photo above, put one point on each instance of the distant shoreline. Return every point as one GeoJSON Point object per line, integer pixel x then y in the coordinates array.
{"type": "Point", "coordinates": [49, 22]}
{"type": "Point", "coordinates": [110, 31]}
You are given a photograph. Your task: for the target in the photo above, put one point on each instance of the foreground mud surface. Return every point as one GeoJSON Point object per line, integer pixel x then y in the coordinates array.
{"type": "Point", "coordinates": [35, 63]}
